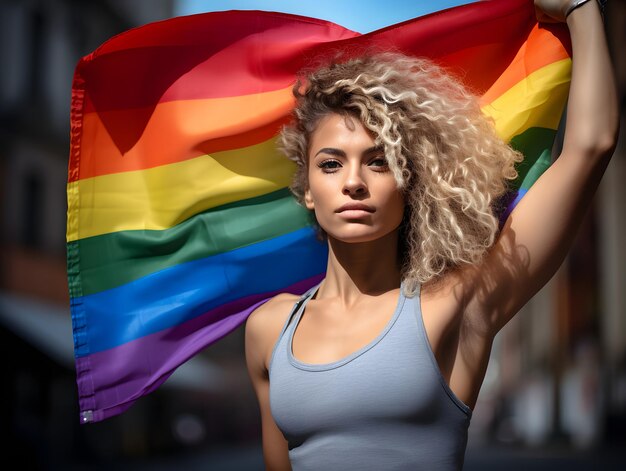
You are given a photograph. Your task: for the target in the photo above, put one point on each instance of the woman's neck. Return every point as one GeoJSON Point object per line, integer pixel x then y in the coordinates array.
{"type": "Point", "coordinates": [354, 269]}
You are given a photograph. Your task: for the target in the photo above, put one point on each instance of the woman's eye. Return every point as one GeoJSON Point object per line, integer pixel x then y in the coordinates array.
{"type": "Point", "coordinates": [379, 162]}
{"type": "Point", "coordinates": [329, 165]}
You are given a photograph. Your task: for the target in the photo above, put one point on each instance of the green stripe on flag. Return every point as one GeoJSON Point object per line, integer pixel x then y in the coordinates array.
{"type": "Point", "coordinates": [114, 259]}
{"type": "Point", "coordinates": [536, 145]}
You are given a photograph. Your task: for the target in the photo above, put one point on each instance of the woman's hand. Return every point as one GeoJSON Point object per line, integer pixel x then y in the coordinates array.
{"type": "Point", "coordinates": [553, 11]}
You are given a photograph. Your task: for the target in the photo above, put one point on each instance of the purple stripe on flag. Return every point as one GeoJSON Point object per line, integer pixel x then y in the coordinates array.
{"type": "Point", "coordinates": [125, 372]}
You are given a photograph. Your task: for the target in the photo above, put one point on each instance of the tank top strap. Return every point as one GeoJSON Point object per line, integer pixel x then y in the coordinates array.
{"type": "Point", "coordinates": [298, 305]}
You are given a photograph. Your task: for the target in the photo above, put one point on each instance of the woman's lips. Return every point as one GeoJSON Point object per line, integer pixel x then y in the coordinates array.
{"type": "Point", "coordinates": [355, 210]}
{"type": "Point", "coordinates": [355, 207]}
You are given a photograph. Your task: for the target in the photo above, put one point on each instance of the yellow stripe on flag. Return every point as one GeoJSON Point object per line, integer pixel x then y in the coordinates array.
{"type": "Point", "coordinates": [161, 197]}
{"type": "Point", "coordinates": [536, 101]}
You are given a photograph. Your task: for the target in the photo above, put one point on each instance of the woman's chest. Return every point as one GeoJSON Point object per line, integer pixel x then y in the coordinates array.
{"type": "Point", "coordinates": [325, 334]}
{"type": "Point", "coordinates": [392, 378]}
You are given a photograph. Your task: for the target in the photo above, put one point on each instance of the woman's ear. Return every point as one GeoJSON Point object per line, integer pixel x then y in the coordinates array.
{"type": "Point", "coordinates": [308, 199]}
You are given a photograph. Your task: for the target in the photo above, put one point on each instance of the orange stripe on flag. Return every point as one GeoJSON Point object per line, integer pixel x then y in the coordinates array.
{"type": "Point", "coordinates": [537, 52]}
{"type": "Point", "coordinates": [178, 130]}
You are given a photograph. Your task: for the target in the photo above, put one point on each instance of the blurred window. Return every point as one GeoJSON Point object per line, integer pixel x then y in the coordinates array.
{"type": "Point", "coordinates": [31, 230]}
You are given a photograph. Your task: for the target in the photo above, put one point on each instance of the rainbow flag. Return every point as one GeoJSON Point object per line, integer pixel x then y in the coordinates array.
{"type": "Point", "coordinates": [179, 219]}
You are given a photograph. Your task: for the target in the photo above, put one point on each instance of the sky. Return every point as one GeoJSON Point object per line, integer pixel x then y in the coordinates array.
{"type": "Point", "coordinates": [362, 16]}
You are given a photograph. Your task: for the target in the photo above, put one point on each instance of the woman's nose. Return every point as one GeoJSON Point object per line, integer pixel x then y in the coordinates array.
{"type": "Point", "coordinates": [354, 183]}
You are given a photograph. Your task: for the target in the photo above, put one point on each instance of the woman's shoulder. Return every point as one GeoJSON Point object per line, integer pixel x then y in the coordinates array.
{"type": "Point", "coordinates": [274, 308]}
{"type": "Point", "coordinates": [264, 324]}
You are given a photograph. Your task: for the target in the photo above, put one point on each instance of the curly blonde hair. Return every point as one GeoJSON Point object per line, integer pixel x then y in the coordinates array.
{"type": "Point", "coordinates": [444, 153]}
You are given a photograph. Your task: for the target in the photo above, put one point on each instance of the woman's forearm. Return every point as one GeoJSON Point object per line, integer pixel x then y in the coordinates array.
{"type": "Point", "coordinates": [592, 110]}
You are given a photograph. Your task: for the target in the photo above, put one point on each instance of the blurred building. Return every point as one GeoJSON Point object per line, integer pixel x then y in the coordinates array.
{"type": "Point", "coordinates": [41, 43]}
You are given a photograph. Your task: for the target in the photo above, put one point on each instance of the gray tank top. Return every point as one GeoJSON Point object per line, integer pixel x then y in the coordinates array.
{"type": "Point", "coordinates": [384, 407]}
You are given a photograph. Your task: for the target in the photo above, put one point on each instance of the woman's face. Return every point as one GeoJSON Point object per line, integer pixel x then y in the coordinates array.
{"type": "Point", "coordinates": [351, 189]}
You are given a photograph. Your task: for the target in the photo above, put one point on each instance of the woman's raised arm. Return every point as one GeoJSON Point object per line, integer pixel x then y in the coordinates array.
{"type": "Point", "coordinates": [592, 111]}
{"type": "Point", "coordinates": [540, 230]}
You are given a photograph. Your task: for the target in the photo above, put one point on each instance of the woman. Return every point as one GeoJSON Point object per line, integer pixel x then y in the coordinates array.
{"type": "Point", "coordinates": [380, 365]}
